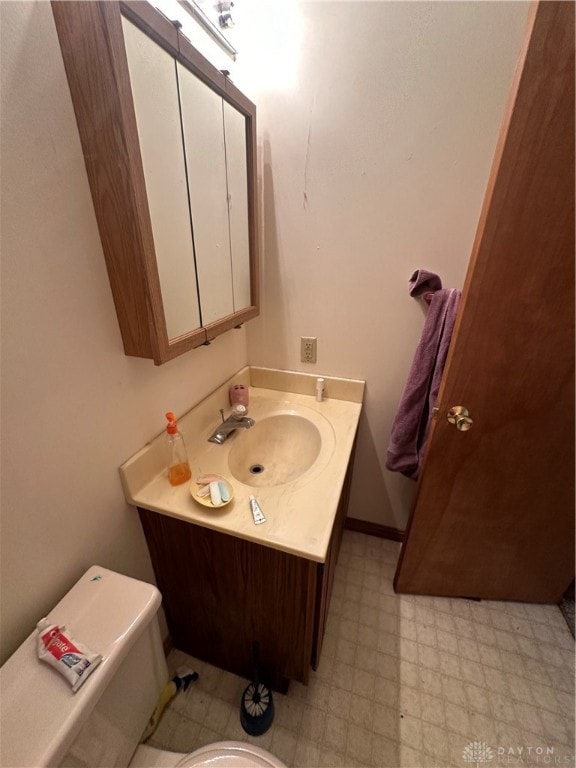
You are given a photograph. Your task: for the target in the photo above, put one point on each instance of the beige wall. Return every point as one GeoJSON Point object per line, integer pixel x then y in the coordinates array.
{"type": "Point", "coordinates": [379, 121]}
{"type": "Point", "coordinates": [74, 407]}
{"type": "Point", "coordinates": [377, 125]}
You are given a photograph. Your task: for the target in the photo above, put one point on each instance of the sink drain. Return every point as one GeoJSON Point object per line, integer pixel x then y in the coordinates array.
{"type": "Point", "coordinates": [256, 469]}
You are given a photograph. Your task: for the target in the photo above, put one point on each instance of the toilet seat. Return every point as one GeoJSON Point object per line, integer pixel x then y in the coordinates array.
{"type": "Point", "coordinates": [230, 754]}
{"type": "Point", "coordinates": [221, 754]}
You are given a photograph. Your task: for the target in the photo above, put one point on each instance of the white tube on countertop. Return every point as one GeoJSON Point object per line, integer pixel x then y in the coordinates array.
{"type": "Point", "coordinates": [319, 390]}
{"type": "Point", "coordinates": [257, 513]}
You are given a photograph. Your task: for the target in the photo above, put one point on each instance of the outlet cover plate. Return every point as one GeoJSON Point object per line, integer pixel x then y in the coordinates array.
{"type": "Point", "coordinates": [308, 349]}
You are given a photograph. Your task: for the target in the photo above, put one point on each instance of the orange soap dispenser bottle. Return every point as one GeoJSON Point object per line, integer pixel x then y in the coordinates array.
{"type": "Point", "coordinates": [178, 466]}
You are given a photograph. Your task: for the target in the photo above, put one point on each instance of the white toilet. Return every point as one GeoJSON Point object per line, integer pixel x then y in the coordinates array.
{"type": "Point", "coordinates": [44, 724]}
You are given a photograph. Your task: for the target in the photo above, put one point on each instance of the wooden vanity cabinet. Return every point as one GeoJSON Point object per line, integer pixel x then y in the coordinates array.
{"type": "Point", "coordinates": [326, 570]}
{"type": "Point", "coordinates": [221, 593]}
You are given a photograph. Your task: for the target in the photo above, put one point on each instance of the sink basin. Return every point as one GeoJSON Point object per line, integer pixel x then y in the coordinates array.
{"type": "Point", "coordinates": [277, 450]}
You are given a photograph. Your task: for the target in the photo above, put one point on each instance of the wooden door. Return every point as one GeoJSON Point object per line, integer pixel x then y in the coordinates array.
{"type": "Point", "coordinates": [494, 511]}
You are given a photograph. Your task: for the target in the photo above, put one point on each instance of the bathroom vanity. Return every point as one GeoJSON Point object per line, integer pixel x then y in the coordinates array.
{"type": "Point", "coordinates": [225, 581]}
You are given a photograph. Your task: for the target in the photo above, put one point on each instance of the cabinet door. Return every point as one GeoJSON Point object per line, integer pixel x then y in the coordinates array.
{"type": "Point", "coordinates": [203, 132]}
{"type": "Point", "coordinates": [155, 95]}
{"type": "Point", "coordinates": [221, 594]}
{"type": "Point", "coordinates": [237, 176]}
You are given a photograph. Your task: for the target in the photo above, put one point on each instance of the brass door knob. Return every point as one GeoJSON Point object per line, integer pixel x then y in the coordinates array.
{"type": "Point", "coordinates": [458, 415]}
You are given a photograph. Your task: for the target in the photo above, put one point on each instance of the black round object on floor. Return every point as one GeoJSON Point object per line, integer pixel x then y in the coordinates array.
{"type": "Point", "coordinates": [257, 704]}
{"type": "Point", "coordinates": [256, 709]}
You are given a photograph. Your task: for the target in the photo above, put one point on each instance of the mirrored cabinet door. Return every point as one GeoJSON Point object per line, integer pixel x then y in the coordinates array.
{"type": "Point", "coordinates": [237, 175]}
{"type": "Point", "coordinates": [203, 133]}
{"type": "Point", "coordinates": [155, 95]}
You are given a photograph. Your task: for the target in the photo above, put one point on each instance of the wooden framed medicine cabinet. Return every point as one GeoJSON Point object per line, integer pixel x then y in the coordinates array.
{"type": "Point", "coordinates": [170, 151]}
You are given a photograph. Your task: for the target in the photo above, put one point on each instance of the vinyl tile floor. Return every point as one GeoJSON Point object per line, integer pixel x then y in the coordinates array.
{"type": "Point", "coordinates": [404, 681]}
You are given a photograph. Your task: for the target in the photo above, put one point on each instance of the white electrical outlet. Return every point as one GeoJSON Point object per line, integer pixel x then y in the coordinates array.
{"type": "Point", "coordinates": [308, 349]}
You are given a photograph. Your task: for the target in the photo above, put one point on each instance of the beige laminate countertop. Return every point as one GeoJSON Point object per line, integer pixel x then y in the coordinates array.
{"type": "Point", "coordinates": [300, 514]}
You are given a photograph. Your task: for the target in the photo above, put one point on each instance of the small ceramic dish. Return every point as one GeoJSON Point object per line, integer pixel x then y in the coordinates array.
{"type": "Point", "coordinates": [206, 501]}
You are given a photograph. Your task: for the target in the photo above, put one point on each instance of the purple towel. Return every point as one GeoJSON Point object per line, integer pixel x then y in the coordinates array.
{"type": "Point", "coordinates": [410, 427]}
{"type": "Point", "coordinates": [423, 281]}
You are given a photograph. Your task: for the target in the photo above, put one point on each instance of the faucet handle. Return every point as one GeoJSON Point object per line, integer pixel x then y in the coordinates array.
{"type": "Point", "coordinates": [239, 411]}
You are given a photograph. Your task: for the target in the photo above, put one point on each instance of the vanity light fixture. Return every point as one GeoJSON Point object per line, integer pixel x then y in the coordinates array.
{"type": "Point", "coordinates": [198, 15]}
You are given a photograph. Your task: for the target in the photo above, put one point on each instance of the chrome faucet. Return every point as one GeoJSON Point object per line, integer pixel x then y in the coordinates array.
{"type": "Point", "coordinates": [236, 420]}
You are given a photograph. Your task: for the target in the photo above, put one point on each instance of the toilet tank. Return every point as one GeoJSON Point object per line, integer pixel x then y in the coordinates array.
{"type": "Point", "coordinates": [43, 723]}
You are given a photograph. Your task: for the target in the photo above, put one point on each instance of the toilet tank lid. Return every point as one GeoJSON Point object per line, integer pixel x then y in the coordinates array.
{"type": "Point", "coordinates": [39, 714]}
